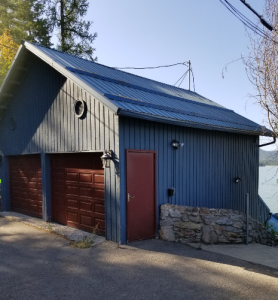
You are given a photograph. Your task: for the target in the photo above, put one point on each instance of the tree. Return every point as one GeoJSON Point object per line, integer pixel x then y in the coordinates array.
{"type": "Point", "coordinates": [74, 37]}
{"type": "Point", "coordinates": [262, 66]}
{"type": "Point", "coordinates": [25, 19]}
{"type": "Point", "coordinates": [8, 49]}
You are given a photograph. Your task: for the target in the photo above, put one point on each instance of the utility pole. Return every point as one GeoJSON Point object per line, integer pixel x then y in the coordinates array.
{"type": "Point", "coordinates": [189, 66]}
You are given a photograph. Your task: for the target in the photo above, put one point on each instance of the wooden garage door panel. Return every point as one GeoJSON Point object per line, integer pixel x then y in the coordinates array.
{"type": "Point", "coordinates": [26, 185]}
{"type": "Point", "coordinates": [78, 191]}
{"type": "Point", "coordinates": [85, 177]}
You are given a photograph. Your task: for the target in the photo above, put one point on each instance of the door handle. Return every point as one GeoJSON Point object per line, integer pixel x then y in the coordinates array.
{"type": "Point", "coordinates": [129, 197]}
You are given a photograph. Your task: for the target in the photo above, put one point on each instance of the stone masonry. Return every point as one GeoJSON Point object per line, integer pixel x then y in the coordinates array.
{"type": "Point", "coordinates": [210, 226]}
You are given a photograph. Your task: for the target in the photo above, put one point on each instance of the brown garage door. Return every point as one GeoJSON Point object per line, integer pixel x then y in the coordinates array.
{"type": "Point", "coordinates": [26, 185]}
{"type": "Point", "coordinates": [78, 191]}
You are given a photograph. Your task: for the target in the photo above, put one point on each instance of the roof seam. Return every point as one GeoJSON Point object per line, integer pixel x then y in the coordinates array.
{"type": "Point", "coordinates": [163, 108]}
{"type": "Point", "coordinates": [82, 72]}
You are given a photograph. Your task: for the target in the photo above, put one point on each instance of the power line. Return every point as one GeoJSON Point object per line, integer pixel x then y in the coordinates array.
{"type": "Point", "coordinates": [248, 23]}
{"type": "Point", "coordinates": [193, 78]}
{"type": "Point", "coordinates": [186, 63]}
{"type": "Point", "coordinates": [183, 75]}
{"type": "Point", "coordinates": [166, 66]}
{"type": "Point", "coordinates": [263, 21]}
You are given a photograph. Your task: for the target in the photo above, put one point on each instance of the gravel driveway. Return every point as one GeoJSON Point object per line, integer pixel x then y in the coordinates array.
{"type": "Point", "coordinates": [39, 265]}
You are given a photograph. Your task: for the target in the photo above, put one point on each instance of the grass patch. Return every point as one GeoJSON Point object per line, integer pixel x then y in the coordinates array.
{"type": "Point", "coordinates": [86, 242]}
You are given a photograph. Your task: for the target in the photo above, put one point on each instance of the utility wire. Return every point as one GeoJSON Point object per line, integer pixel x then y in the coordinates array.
{"type": "Point", "coordinates": [249, 24]}
{"type": "Point", "coordinates": [183, 75]}
{"type": "Point", "coordinates": [263, 21]}
{"type": "Point", "coordinates": [167, 66]}
{"type": "Point", "coordinates": [193, 78]}
{"type": "Point", "coordinates": [182, 79]}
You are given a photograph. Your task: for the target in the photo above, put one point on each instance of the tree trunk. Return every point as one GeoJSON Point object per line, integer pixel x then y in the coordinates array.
{"type": "Point", "coordinates": [62, 15]}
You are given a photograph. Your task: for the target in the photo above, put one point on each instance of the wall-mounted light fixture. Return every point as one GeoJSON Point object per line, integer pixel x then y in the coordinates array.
{"type": "Point", "coordinates": [106, 158]}
{"type": "Point", "coordinates": [171, 192]}
{"type": "Point", "coordinates": [176, 144]}
{"type": "Point", "coordinates": [238, 179]}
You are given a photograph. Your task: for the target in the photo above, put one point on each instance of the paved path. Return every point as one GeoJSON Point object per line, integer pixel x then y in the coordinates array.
{"type": "Point", "coordinates": [255, 253]}
{"type": "Point", "coordinates": [39, 265]}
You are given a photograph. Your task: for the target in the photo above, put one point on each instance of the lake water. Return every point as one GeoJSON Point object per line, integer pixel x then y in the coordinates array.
{"type": "Point", "coordinates": [268, 187]}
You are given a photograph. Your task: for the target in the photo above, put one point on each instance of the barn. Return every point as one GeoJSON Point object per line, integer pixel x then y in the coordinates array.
{"type": "Point", "coordinates": [90, 146]}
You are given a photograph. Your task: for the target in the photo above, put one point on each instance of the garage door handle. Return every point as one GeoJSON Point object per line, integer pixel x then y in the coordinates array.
{"type": "Point", "coordinates": [129, 197]}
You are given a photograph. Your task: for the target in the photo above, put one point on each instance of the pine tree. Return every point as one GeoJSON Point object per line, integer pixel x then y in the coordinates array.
{"type": "Point", "coordinates": [74, 37]}
{"type": "Point", "coordinates": [25, 19]}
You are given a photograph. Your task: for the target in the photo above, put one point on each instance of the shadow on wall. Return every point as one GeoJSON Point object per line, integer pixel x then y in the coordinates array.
{"type": "Point", "coordinates": [29, 109]}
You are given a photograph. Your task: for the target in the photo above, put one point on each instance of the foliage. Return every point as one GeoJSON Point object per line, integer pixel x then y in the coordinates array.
{"type": "Point", "coordinates": [262, 66]}
{"type": "Point", "coordinates": [272, 229]}
{"type": "Point", "coordinates": [86, 242]}
{"type": "Point", "coordinates": [74, 36]}
{"type": "Point", "coordinates": [8, 49]}
{"type": "Point", "coordinates": [25, 19]}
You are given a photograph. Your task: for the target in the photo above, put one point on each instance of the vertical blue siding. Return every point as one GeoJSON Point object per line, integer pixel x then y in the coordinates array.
{"type": "Point", "coordinates": [203, 172]}
{"type": "Point", "coordinates": [43, 109]}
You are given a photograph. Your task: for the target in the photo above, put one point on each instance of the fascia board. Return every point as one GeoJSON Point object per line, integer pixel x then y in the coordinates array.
{"type": "Point", "coordinates": [17, 56]}
{"type": "Point", "coordinates": [62, 70]}
{"type": "Point", "coordinates": [188, 124]}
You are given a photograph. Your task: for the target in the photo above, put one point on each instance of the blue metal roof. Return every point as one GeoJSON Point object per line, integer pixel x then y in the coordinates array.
{"type": "Point", "coordinates": [145, 97]}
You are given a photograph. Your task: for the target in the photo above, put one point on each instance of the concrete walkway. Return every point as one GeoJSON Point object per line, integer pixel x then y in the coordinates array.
{"type": "Point", "coordinates": [255, 253]}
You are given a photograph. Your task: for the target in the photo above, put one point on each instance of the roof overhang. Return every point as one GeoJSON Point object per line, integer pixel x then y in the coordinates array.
{"type": "Point", "coordinates": [126, 113]}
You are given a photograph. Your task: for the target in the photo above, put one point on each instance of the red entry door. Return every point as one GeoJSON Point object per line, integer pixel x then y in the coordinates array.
{"type": "Point", "coordinates": [141, 194]}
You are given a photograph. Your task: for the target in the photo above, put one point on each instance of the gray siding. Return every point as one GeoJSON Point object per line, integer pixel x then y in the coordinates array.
{"type": "Point", "coordinates": [203, 172]}
{"type": "Point", "coordinates": [45, 123]}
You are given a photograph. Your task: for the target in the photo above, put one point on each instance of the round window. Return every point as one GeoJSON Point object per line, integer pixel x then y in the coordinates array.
{"type": "Point", "coordinates": [79, 108]}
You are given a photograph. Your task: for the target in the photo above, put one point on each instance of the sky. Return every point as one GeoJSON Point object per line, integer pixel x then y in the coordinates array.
{"type": "Point", "coordinates": [154, 32]}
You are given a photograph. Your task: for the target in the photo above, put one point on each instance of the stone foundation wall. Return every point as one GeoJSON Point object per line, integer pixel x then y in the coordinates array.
{"type": "Point", "coordinates": [211, 226]}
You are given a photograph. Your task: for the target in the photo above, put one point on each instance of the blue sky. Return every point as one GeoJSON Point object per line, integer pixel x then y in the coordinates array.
{"type": "Point", "coordinates": [154, 32]}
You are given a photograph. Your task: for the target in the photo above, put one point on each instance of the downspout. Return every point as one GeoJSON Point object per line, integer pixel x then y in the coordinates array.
{"type": "Point", "coordinates": [273, 142]}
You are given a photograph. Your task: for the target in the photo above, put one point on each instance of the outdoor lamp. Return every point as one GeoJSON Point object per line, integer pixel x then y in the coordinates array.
{"type": "Point", "coordinates": [176, 144]}
{"type": "Point", "coordinates": [238, 179]}
{"type": "Point", "coordinates": [106, 158]}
